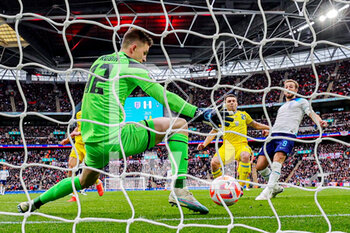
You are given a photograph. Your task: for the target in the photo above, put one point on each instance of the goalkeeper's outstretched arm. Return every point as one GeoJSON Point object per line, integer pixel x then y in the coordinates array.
{"type": "Point", "coordinates": [179, 105]}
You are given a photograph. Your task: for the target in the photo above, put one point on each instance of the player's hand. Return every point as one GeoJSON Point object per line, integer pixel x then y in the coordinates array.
{"type": "Point", "coordinates": [64, 141]}
{"type": "Point", "coordinates": [209, 116]}
{"type": "Point", "coordinates": [323, 124]}
{"type": "Point", "coordinates": [265, 133]}
{"type": "Point", "coordinates": [75, 133]}
{"type": "Point", "coordinates": [200, 146]}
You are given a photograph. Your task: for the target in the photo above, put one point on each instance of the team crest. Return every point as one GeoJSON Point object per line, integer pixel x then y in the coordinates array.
{"type": "Point", "coordinates": [137, 105]}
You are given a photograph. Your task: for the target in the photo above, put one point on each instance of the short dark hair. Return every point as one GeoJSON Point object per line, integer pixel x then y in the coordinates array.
{"type": "Point", "coordinates": [136, 35]}
{"type": "Point", "coordinates": [230, 95]}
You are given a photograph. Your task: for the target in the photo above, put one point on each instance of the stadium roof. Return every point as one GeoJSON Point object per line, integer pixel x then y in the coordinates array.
{"type": "Point", "coordinates": [87, 41]}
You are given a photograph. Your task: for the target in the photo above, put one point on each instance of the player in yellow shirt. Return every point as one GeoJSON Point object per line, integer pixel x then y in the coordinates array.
{"type": "Point", "coordinates": [80, 146]}
{"type": "Point", "coordinates": [235, 147]}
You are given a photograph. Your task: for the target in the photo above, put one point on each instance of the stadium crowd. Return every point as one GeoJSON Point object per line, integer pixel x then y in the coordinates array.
{"type": "Point", "coordinates": [299, 169]}
{"type": "Point", "coordinates": [36, 134]}
{"type": "Point", "coordinates": [53, 97]}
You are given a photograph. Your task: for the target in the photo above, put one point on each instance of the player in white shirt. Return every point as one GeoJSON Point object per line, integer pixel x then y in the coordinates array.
{"type": "Point", "coordinates": [3, 177]}
{"type": "Point", "coordinates": [289, 117]}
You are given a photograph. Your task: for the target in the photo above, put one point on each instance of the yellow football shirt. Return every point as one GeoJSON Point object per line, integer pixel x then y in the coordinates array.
{"type": "Point", "coordinates": [240, 121]}
{"type": "Point", "coordinates": [79, 139]}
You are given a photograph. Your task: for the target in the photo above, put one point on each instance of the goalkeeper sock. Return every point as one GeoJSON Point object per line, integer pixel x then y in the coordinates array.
{"type": "Point", "coordinates": [61, 189]}
{"type": "Point", "coordinates": [275, 174]}
{"type": "Point", "coordinates": [217, 173]}
{"type": "Point", "coordinates": [244, 170]}
{"type": "Point", "coordinates": [98, 181]}
{"type": "Point", "coordinates": [178, 144]}
{"type": "Point", "coordinates": [265, 173]}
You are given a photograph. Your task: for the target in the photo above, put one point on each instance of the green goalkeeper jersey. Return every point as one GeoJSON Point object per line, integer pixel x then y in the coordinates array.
{"type": "Point", "coordinates": [101, 105]}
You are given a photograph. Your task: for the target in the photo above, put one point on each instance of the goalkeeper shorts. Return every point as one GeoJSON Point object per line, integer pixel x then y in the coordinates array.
{"type": "Point", "coordinates": [232, 151]}
{"type": "Point", "coordinates": [135, 139]}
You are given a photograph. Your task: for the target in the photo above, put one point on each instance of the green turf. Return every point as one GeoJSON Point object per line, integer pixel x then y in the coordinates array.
{"type": "Point", "coordinates": [296, 208]}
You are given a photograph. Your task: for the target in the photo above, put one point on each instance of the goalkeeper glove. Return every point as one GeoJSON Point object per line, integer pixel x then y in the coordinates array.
{"type": "Point", "coordinates": [209, 116]}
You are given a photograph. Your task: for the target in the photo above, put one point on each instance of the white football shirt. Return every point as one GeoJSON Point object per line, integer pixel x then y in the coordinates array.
{"type": "Point", "coordinates": [290, 115]}
{"type": "Point", "coordinates": [4, 174]}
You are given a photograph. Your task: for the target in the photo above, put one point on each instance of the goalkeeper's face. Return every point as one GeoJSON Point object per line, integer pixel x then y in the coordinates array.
{"type": "Point", "coordinates": [140, 51]}
{"type": "Point", "coordinates": [231, 103]}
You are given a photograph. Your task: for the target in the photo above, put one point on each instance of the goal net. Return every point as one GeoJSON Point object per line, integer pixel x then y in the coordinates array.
{"type": "Point", "coordinates": [129, 183]}
{"type": "Point", "coordinates": [259, 55]}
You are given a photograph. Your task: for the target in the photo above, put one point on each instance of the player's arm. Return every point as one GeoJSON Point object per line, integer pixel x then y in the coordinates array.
{"type": "Point", "coordinates": [155, 90]}
{"type": "Point", "coordinates": [207, 140]}
{"type": "Point", "coordinates": [259, 126]}
{"type": "Point", "coordinates": [316, 118]}
{"type": "Point", "coordinates": [72, 134]}
{"type": "Point", "coordinates": [177, 104]}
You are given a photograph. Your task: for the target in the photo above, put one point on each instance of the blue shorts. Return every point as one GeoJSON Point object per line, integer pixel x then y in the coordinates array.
{"type": "Point", "coordinates": [3, 182]}
{"type": "Point", "coordinates": [279, 145]}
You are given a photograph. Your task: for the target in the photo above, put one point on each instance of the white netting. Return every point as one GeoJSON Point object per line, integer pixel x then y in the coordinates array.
{"type": "Point", "coordinates": [168, 30]}
{"type": "Point", "coordinates": [130, 183]}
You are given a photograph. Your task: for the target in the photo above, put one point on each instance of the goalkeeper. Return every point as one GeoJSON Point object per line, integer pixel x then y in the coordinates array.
{"type": "Point", "coordinates": [109, 139]}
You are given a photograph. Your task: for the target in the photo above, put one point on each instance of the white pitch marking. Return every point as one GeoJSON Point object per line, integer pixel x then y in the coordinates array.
{"type": "Point", "coordinates": [200, 219]}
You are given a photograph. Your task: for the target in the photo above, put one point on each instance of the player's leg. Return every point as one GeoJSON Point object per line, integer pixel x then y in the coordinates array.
{"type": "Point", "coordinates": [216, 170]}
{"type": "Point", "coordinates": [61, 189]}
{"type": "Point", "coordinates": [82, 154]}
{"type": "Point", "coordinates": [276, 167]}
{"type": "Point", "coordinates": [178, 144]}
{"type": "Point", "coordinates": [2, 187]}
{"type": "Point", "coordinates": [72, 162]}
{"type": "Point", "coordinates": [227, 154]}
{"type": "Point", "coordinates": [99, 187]}
{"type": "Point", "coordinates": [243, 153]}
{"type": "Point", "coordinates": [282, 149]}
{"type": "Point", "coordinates": [262, 167]}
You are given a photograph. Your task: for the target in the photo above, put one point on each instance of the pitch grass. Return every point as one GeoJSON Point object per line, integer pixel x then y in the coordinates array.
{"type": "Point", "coordinates": [297, 210]}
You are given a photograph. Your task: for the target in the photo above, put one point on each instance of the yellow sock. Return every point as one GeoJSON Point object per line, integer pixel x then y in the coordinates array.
{"type": "Point", "coordinates": [244, 170]}
{"type": "Point", "coordinates": [217, 173]}
{"type": "Point", "coordinates": [98, 181]}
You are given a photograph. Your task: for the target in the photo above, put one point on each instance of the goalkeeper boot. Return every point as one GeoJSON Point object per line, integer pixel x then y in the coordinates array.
{"type": "Point", "coordinates": [100, 189]}
{"type": "Point", "coordinates": [187, 200]}
{"type": "Point", "coordinates": [24, 206]}
{"type": "Point", "coordinates": [276, 190]}
{"type": "Point", "coordinates": [264, 195]}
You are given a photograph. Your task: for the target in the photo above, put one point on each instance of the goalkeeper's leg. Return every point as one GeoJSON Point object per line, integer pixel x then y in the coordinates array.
{"type": "Point", "coordinates": [178, 144]}
{"type": "Point", "coordinates": [61, 189]}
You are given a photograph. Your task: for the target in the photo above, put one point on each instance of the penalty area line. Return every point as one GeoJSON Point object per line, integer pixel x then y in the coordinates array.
{"type": "Point", "coordinates": [198, 219]}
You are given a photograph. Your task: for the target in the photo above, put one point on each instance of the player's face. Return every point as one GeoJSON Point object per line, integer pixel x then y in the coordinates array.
{"type": "Point", "coordinates": [140, 52]}
{"type": "Point", "coordinates": [231, 103]}
{"type": "Point", "coordinates": [291, 87]}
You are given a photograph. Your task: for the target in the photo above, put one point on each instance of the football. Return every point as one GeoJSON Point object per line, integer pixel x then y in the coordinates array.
{"type": "Point", "coordinates": [227, 188]}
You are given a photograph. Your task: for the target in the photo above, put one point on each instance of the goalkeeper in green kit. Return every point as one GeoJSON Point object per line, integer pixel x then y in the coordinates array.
{"type": "Point", "coordinates": [107, 139]}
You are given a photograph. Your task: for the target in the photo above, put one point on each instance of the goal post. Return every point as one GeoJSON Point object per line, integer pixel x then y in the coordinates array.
{"type": "Point", "coordinates": [130, 183]}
